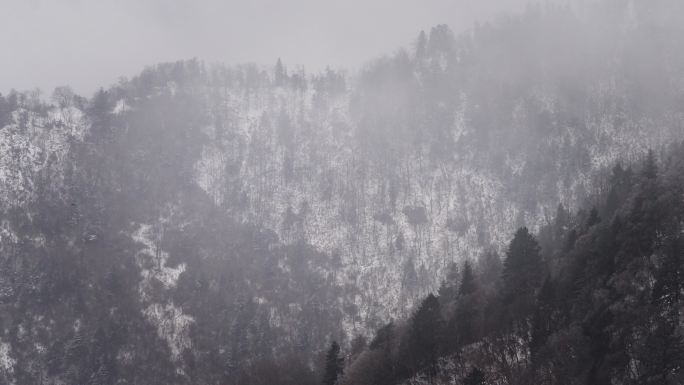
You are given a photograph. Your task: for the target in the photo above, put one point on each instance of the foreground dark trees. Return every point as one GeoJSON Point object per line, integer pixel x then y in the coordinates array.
{"type": "Point", "coordinates": [601, 303]}
{"type": "Point", "coordinates": [334, 365]}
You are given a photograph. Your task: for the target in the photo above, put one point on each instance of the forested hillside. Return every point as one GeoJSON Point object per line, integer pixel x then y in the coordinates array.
{"type": "Point", "coordinates": [594, 298]}
{"type": "Point", "coordinates": [204, 224]}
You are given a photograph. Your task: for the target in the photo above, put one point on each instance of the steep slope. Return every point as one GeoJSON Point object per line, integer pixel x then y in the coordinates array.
{"type": "Point", "coordinates": [435, 154]}
{"type": "Point", "coordinates": [233, 215]}
{"type": "Point", "coordinates": [599, 303]}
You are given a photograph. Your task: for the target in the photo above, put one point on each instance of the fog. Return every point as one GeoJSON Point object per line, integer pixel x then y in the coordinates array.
{"type": "Point", "coordinates": [494, 200]}
{"type": "Point", "coordinates": [88, 44]}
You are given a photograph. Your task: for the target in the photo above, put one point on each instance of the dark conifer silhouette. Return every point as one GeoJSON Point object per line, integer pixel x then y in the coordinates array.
{"type": "Point", "coordinates": [334, 365]}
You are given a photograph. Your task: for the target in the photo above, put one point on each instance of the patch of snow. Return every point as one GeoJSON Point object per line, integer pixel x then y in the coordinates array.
{"type": "Point", "coordinates": [172, 326]}
{"type": "Point", "coordinates": [152, 261]}
{"type": "Point", "coordinates": [6, 361]}
{"type": "Point", "coordinates": [121, 107]}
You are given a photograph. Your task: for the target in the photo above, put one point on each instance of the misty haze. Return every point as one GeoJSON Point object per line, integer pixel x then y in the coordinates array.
{"type": "Point", "coordinates": [313, 192]}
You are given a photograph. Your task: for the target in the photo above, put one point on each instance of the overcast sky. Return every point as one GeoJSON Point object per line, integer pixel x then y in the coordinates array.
{"type": "Point", "coordinates": [91, 43]}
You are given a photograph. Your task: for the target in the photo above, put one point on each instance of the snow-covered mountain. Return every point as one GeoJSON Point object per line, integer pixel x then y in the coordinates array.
{"type": "Point", "coordinates": [300, 207]}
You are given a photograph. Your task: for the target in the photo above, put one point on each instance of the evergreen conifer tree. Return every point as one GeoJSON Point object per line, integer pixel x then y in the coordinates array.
{"type": "Point", "coordinates": [334, 365]}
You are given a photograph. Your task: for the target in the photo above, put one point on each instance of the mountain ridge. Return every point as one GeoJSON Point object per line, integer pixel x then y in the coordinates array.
{"type": "Point", "coordinates": [327, 201]}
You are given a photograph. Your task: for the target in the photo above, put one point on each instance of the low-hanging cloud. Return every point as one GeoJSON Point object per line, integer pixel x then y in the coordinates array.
{"type": "Point", "coordinates": [88, 44]}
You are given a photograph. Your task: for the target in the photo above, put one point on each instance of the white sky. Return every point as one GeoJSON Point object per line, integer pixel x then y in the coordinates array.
{"type": "Point", "coordinates": [91, 43]}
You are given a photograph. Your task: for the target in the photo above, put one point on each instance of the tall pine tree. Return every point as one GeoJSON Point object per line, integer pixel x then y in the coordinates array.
{"type": "Point", "coordinates": [522, 275]}
{"type": "Point", "coordinates": [522, 271]}
{"type": "Point", "coordinates": [334, 365]}
{"type": "Point", "coordinates": [467, 280]}
{"type": "Point", "coordinates": [424, 336]}
{"type": "Point", "coordinates": [464, 320]}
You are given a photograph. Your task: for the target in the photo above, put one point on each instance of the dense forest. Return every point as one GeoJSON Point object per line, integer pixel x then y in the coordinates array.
{"type": "Point", "coordinates": [594, 298]}
{"type": "Point", "coordinates": [501, 206]}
